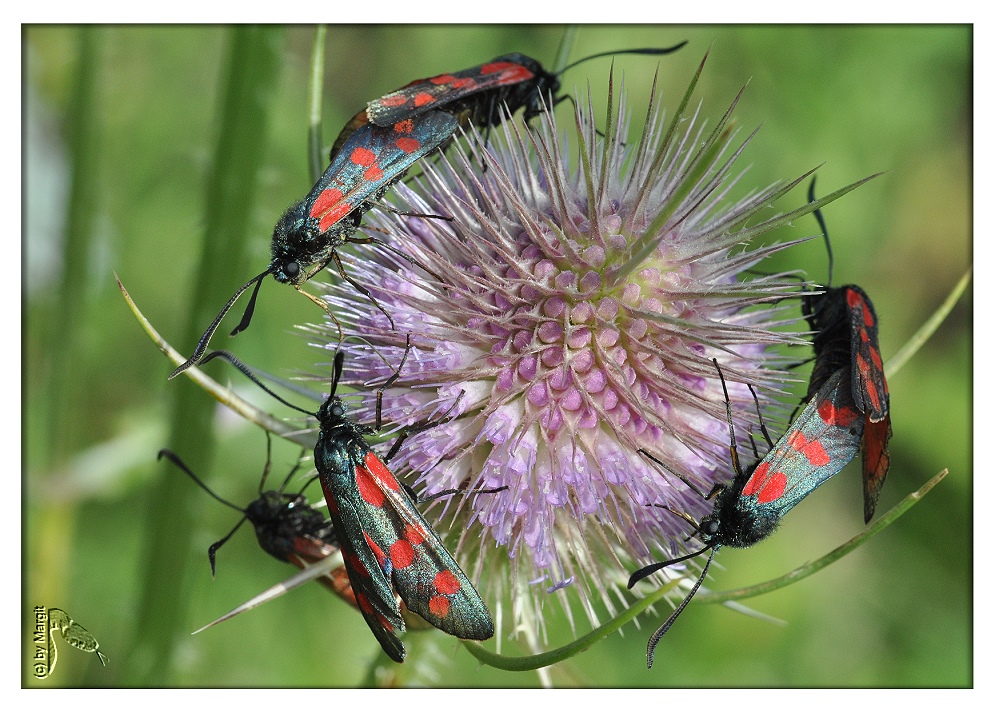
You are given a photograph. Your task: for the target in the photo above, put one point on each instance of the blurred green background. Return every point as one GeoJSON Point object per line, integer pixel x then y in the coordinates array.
{"type": "Point", "coordinates": [124, 123]}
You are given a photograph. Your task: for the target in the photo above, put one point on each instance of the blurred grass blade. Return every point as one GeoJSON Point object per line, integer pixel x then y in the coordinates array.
{"type": "Point", "coordinates": [316, 66]}
{"type": "Point", "coordinates": [929, 327]}
{"type": "Point", "coordinates": [564, 50]}
{"type": "Point", "coordinates": [810, 568]}
{"type": "Point", "coordinates": [249, 91]}
{"type": "Point", "coordinates": [66, 338]}
{"type": "Point", "coordinates": [52, 544]}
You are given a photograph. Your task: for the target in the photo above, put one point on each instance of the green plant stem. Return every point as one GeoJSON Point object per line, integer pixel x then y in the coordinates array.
{"type": "Point", "coordinates": [534, 662]}
{"type": "Point", "coordinates": [544, 659]}
{"type": "Point", "coordinates": [249, 94]}
{"type": "Point", "coordinates": [221, 394]}
{"type": "Point", "coordinates": [810, 568]}
{"type": "Point", "coordinates": [929, 327]}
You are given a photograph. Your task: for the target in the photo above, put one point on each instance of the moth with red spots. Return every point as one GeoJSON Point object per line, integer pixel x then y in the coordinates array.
{"type": "Point", "coordinates": [476, 95]}
{"type": "Point", "coordinates": [388, 546]}
{"type": "Point", "coordinates": [287, 527]}
{"type": "Point", "coordinates": [307, 236]}
{"type": "Point", "coordinates": [387, 543]}
{"type": "Point", "coordinates": [846, 335]}
{"type": "Point", "coordinates": [820, 442]}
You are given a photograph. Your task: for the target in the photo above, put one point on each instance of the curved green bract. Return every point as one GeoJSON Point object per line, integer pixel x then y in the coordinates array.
{"type": "Point", "coordinates": [929, 327]}
{"type": "Point", "coordinates": [811, 567]}
{"type": "Point", "coordinates": [533, 662]}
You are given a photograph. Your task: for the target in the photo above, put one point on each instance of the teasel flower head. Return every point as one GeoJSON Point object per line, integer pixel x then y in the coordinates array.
{"type": "Point", "coordinates": [564, 319]}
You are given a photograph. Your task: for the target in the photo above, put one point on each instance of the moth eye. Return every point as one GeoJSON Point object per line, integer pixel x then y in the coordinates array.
{"type": "Point", "coordinates": [710, 527]}
{"type": "Point", "coordinates": [291, 269]}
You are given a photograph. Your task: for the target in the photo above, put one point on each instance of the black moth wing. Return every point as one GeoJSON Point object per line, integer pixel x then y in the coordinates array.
{"type": "Point", "coordinates": [822, 439]}
{"type": "Point", "coordinates": [424, 574]}
{"type": "Point", "coordinates": [870, 390]}
{"type": "Point", "coordinates": [370, 160]}
{"type": "Point", "coordinates": [448, 89]}
{"type": "Point", "coordinates": [380, 613]}
{"type": "Point", "coordinates": [372, 589]}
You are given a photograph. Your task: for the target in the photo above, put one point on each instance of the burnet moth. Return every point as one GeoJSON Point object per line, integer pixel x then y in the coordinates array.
{"type": "Point", "coordinates": [846, 335]}
{"type": "Point", "coordinates": [388, 546]}
{"type": "Point", "coordinates": [287, 526]}
{"type": "Point", "coordinates": [307, 236]}
{"type": "Point", "coordinates": [476, 96]}
{"type": "Point", "coordinates": [820, 442]}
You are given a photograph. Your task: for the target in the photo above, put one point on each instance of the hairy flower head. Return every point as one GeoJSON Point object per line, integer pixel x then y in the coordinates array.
{"type": "Point", "coordinates": [565, 319]}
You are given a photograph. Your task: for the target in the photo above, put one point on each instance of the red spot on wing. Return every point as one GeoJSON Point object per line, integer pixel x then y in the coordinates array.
{"type": "Point", "coordinates": [864, 337]}
{"type": "Point", "coordinates": [363, 603]}
{"type": "Point", "coordinates": [446, 583]}
{"type": "Point", "coordinates": [773, 488]}
{"type": "Point", "coordinates": [392, 101]}
{"type": "Point", "coordinates": [326, 200]}
{"type": "Point", "coordinates": [407, 145]}
{"type": "Point", "coordinates": [875, 446]}
{"type": "Point", "coordinates": [442, 79]}
{"type": "Point", "coordinates": [373, 174]}
{"type": "Point", "coordinates": [405, 126]}
{"type": "Point", "coordinates": [376, 550]}
{"type": "Point", "coordinates": [376, 467]}
{"type": "Point", "coordinates": [756, 481]}
{"type": "Point", "coordinates": [415, 535]}
{"type": "Point", "coordinates": [853, 298]}
{"type": "Point", "coordinates": [439, 606]}
{"type": "Point", "coordinates": [876, 359]}
{"type": "Point", "coordinates": [766, 490]}
{"type": "Point", "coordinates": [510, 72]}
{"type": "Point", "coordinates": [423, 98]}
{"type": "Point", "coordinates": [334, 215]}
{"type": "Point", "coordinates": [363, 157]}
{"type": "Point", "coordinates": [813, 450]}
{"type": "Point", "coordinates": [366, 485]}
{"type": "Point", "coordinates": [355, 561]}
{"type": "Point", "coordinates": [872, 393]}
{"type": "Point", "coordinates": [463, 83]}
{"type": "Point", "coordinates": [868, 315]}
{"type": "Point", "coordinates": [832, 416]}
{"type": "Point", "coordinates": [402, 554]}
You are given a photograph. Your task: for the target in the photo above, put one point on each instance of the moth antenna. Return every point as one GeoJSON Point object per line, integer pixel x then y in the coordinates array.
{"type": "Point", "coordinates": [652, 568]}
{"type": "Point", "coordinates": [731, 428]}
{"type": "Point", "coordinates": [650, 50]}
{"type": "Point", "coordinates": [235, 362]}
{"type": "Point", "coordinates": [202, 345]}
{"type": "Point", "coordinates": [759, 414]}
{"type": "Point", "coordinates": [215, 547]}
{"type": "Point", "coordinates": [175, 459]}
{"type": "Point", "coordinates": [250, 307]}
{"type": "Point", "coordinates": [822, 226]}
{"type": "Point", "coordinates": [657, 636]}
{"type": "Point", "coordinates": [337, 371]}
